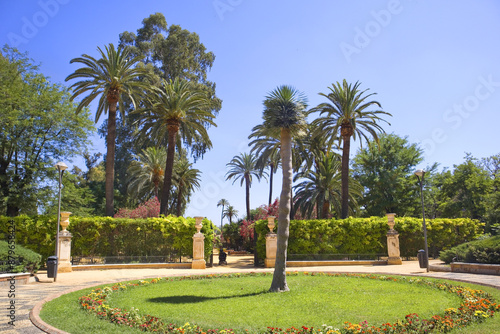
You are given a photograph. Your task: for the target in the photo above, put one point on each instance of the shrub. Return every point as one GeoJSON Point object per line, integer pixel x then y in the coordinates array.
{"type": "Point", "coordinates": [478, 251]}
{"type": "Point", "coordinates": [19, 259]}
{"type": "Point", "coordinates": [107, 236]}
{"type": "Point", "coordinates": [368, 235]}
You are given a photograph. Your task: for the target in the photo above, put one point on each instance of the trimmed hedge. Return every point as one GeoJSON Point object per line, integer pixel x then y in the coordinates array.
{"type": "Point", "coordinates": [106, 236]}
{"type": "Point", "coordinates": [368, 235]}
{"type": "Point", "coordinates": [17, 259]}
{"type": "Point", "coordinates": [478, 251]}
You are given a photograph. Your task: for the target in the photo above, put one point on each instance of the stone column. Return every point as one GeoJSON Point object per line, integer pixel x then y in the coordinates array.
{"type": "Point", "coordinates": [198, 246]}
{"type": "Point", "coordinates": [271, 244]}
{"type": "Point", "coordinates": [64, 261]}
{"type": "Point", "coordinates": [393, 242]}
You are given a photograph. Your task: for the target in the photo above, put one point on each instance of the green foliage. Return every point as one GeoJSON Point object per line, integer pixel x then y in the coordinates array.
{"type": "Point", "coordinates": [38, 127]}
{"type": "Point", "coordinates": [385, 170]}
{"type": "Point", "coordinates": [22, 259]}
{"type": "Point", "coordinates": [477, 251]}
{"type": "Point", "coordinates": [106, 236]}
{"type": "Point", "coordinates": [368, 235]}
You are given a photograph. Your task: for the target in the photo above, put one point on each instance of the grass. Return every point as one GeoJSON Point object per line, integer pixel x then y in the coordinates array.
{"type": "Point", "coordinates": [244, 303]}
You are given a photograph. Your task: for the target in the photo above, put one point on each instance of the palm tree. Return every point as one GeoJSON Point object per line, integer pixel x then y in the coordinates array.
{"type": "Point", "coordinates": [222, 202]}
{"type": "Point", "coordinates": [112, 77]}
{"type": "Point", "coordinates": [230, 213]}
{"type": "Point", "coordinates": [346, 112]}
{"type": "Point", "coordinates": [244, 167]}
{"type": "Point", "coordinates": [284, 109]}
{"type": "Point", "coordinates": [176, 110]}
{"type": "Point", "coordinates": [146, 173]}
{"type": "Point", "coordinates": [186, 179]}
{"type": "Point", "coordinates": [321, 188]}
{"type": "Point", "coordinates": [266, 145]}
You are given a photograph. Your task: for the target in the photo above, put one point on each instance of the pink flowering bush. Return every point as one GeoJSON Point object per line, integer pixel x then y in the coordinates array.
{"type": "Point", "coordinates": [148, 209]}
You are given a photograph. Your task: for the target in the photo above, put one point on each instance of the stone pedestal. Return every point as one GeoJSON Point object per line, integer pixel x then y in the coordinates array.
{"type": "Point", "coordinates": [64, 263]}
{"type": "Point", "coordinates": [393, 242]}
{"type": "Point", "coordinates": [271, 244]}
{"type": "Point", "coordinates": [198, 247]}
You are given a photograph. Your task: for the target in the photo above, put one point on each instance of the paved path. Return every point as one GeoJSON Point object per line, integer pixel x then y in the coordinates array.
{"type": "Point", "coordinates": [31, 296]}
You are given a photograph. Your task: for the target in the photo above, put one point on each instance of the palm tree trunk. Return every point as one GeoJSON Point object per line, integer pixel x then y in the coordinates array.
{"type": "Point", "coordinates": [110, 160]}
{"type": "Point", "coordinates": [279, 283]}
{"type": "Point", "coordinates": [345, 176]}
{"type": "Point", "coordinates": [271, 184]}
{"type": "Point", "coordinates": [169, 167]}
{"type": "Point", "coordinates": [179, 200]}
{"type": "Point", "coordinates": [247, 192]}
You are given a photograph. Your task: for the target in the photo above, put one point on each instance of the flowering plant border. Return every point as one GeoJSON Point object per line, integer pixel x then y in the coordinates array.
{"type": "Point", "coordinates": [476, 307]}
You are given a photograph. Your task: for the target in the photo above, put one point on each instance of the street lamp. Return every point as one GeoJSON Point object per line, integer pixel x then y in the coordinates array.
{"type": "Point", "coordinates": [61, 167]}
{"type": "Point", "coordinates": [420, 175]}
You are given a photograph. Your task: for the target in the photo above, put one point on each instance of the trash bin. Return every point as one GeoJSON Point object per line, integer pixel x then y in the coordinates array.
{"type": "Point", "coordinates": [52, 266]}
{"type": "Point", "coordinates": [422, 259]}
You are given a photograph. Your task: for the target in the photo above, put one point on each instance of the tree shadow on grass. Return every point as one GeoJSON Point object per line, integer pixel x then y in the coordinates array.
{"type": "Point", "coordinates": [191, 299]}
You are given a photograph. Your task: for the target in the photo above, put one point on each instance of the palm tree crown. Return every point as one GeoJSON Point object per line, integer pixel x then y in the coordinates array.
{"type": "Point", "coordinates": [346, 110]}
{"type": "Point", "coordinates": [176, 109]}
{"type": "Point", "coordinates": [146, 173]}
{"type": "Point", "coordinates": [111, 77]}
{"type": "Point", "coordinates": [244, 168]}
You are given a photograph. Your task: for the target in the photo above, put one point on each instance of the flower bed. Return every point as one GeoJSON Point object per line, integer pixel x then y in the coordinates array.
{"type": "Point", "coordinates": [477, 306]}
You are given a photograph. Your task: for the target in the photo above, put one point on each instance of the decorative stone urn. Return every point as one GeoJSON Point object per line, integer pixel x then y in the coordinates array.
{"type": "Point", "coordinates": [393, 242]}
{"type": "Point", "coordinates": [271, 244]}
{"type": "Point", "coordinates": [64, 261]}
{"type": "Point", "coordinates": [198, 246]}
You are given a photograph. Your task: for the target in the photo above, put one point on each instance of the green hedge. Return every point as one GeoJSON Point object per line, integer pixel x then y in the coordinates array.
{"type": "Point", "coordinates": [368, 235]}
{"type": "Point", "coordinates": [478, 251]}
{"type": "Point", "coordinates": [17, 259]}
{"type": "Point", "coordinates": [106, 236]}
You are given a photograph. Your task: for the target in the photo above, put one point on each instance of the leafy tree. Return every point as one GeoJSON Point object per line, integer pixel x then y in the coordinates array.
{"type": "Point", "coordinates": [386, 171]}
{"type": "Point", "coordinates": [175, 110]}
{"type": "Point", "coordinates": [346, 111]}
{"type": "Point", "coordinates": [492, 200]}
{"type": "Point", "coordinates": [284, 109]}
{"type": "Point", "coordinates": [320, 189]}
{"type": "Point", "coordinates": [463, 191]}
{"type": "Point", "coordinates": [172, 53]}
{"type": "Point", "coordinates": [243, 167]}
{"type": "Point", "coordinates": [112, 77]}
{"type": "Point", "coordinates": [38, 127]}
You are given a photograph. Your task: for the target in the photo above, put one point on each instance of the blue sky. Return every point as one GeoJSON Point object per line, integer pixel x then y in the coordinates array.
{"type": "Point", "coordinates": [435, 66]}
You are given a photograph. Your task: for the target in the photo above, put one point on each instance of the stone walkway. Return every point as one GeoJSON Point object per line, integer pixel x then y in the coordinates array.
{"type": "Point", "coordinates": [30, 296]}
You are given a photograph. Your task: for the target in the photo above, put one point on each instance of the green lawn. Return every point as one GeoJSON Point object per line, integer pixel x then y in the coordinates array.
{"type": "Point", "coordinates": [244, 303]}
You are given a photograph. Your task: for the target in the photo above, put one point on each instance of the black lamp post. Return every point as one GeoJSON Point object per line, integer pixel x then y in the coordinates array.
{"type": "Point", "coordinates": [420, 175]}
{"type": "Point", "coordinates": [61, 167]}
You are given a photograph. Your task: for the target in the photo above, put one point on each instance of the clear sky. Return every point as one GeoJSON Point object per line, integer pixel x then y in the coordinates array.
{"type": "Point", "coordinates": [435, 66]}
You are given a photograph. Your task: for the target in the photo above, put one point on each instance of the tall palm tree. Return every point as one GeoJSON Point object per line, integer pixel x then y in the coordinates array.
{"type": "Point", "coordinates": [346, 111]}
{"type": "Point", "coordinates": [112, 77]}
{"type": "Point", "coordinates": [176, 110]}
{"type": "Point", "coordinates": [146, 173]}
{"type": "Point", "coordinates": [186, 179]}
{"type": "Point", "coordinates": [244, 168]}
{"type": "Point", "coordinates": [321, 188]}
{"type": "Point", "coordinates": [222, 202]}
{"type": "Point", "coordinates": [284, 109]}
{"type": "Point", "coordinates": [230, 213]}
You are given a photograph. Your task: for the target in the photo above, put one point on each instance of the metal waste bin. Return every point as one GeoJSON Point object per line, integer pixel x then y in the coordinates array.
{"type": "Point", "coordinates": [52, 266]}
{"type": "Point", "coordinates": [422, 259]}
